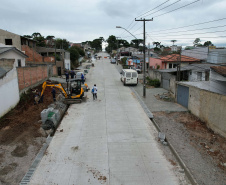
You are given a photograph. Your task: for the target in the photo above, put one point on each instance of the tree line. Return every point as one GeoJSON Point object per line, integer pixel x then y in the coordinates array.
{"type": "Point", "coordinates": [75, 51]}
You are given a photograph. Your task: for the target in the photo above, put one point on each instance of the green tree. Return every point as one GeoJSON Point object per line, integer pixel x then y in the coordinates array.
{"type": "Point", "coordinates": [136, 42]}
{"type": "Point", "coordinates": [197, 42]}
{"type": "Point", "coordinates": [62, 44]}
{"type": "Point", "coordinates": [80, 50]}
{"type": "Point", "coordinates": [112, 43]}
{"type": "Point", "coordinates": [50, 41]}
{"type": "Point", "coordinates": [74, 55]}
{"type": "Point", "coordinates": [157, 44]}
{"type": "Point", "coordinates": [173, 41]}
{"type": "Point", "coordinates": [97, 44]}
{"type": "Point", "coordinates": [208, 43]}
{"type": "Point", "coordinates": [39, 39]}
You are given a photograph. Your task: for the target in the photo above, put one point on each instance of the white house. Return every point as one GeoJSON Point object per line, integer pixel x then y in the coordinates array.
{"type": "Point", "coordinates": [7, 52]}
{"type": "Point", "coordinates": [9, 90]}
{"type": "Point", "coordinates": [10, 58]}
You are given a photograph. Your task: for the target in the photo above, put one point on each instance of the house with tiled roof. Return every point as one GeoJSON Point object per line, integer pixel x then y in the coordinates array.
{"type": "Point", "coordinates": [171, 61]}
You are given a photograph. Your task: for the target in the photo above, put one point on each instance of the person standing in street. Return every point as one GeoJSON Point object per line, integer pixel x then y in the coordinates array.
{"type": "Point", "coordinates": [67, 76]}
{"type": "Point", "coordinates": [72, 74]}
{"type": "Point", "coordinates": [54, 94]}
{"type": "Point", "coordinates": [94, 91]}
{"type": "Point", "coordinates": [82, 78]}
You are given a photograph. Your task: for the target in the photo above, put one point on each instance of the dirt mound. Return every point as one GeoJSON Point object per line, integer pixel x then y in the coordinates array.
{"type": "Point", "coordinates": [21, 137]}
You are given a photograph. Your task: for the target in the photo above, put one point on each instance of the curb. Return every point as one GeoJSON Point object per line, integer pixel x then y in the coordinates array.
{"type": "Point", "coordinates": [181, 163]}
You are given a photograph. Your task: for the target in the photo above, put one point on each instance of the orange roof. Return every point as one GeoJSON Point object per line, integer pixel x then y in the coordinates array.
{"type": "Point", "coordinates": [219, 69]}
{"type": "Point", "coordinates": [175, 58]}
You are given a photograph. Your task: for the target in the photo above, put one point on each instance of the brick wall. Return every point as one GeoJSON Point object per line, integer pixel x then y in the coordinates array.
{"type": "Point", "coordinates": [28, 76]}
{"type": "Point", "coordinates": [33, 56]}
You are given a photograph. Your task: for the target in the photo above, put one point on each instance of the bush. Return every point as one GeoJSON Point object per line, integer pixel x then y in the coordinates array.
{"type": "Point", "coordinates": [154, 82]}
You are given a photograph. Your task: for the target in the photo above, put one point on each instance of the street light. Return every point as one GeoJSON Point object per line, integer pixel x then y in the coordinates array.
{"type": "Point", "coordinates": [126, 30]}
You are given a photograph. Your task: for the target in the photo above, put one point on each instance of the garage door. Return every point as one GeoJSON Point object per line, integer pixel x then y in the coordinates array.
{"type": "Point", "coordinates": [166, 84]}
{"type": "Point", "coordinates": [182, 95]}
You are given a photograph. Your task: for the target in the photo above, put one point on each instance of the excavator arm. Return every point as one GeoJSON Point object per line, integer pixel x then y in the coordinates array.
{"type": "Point", "coordinates": [59, 86]}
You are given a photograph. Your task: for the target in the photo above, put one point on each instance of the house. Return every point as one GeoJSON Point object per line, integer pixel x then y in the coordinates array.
{"type": "Point", "coordinates": [175, 48]}
{"type": "Point", "coordinates": [217, 56]}
{"type": "Point", "coordinates": [198, 52]}
{"type": "Point", "coordinates": [133, 62]}
{"type": "Point", "coordinates": [155, 63]}
{"type": "Point", "coordinates": [206, 99]}
{"type": "Point", "coordinates": [18, 56]}
{"type": "Point", "coordinates": [171, 61]}
{"type": "Point", "coordinates": [12, 39]}
{"type": "Point", "coordinates": [9, 91]}
{"type": "Point", "coordinates": [63, 58]}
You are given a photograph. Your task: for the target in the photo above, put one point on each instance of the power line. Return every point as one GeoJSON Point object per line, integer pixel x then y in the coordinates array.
{"type": "Point", "coordinates": [152, 9]}
{"type": "Point", "coordinates": [192, 33]}
{"type": "Point", "coordinates": [190, 25]}
{"type": "Point", "coordinates": [177, 8]}
{"type": "Point", "coordinates": [164, 8]}
{"type": "Point", "coordinates": [190, 30]}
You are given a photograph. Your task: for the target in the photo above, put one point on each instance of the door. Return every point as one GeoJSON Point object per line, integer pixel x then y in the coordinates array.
{"type": "Point", "coordinates": [166, 84]}
{"type": "Point", "coordinates": [134, 78]}
{"type": "Point", "coordinates": [182, 95]}
{"type": "Point", "coordinates": [59, 71]}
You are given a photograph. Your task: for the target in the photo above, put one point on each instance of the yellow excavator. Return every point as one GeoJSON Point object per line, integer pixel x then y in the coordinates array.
{"type": "Point", "coordinates": [74, 93]}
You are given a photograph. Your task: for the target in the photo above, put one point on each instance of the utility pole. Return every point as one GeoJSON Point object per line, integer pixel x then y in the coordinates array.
{"type": "Point", "coordinates": [144, 63]}
{"type": "Point", "coordinates": [178, 66]}
{"type": "Point", "coordinates": [117, 50]}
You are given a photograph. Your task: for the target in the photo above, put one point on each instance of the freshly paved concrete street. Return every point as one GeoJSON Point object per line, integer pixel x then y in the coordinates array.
{"type": "Point", "coordinates": [107, 141]}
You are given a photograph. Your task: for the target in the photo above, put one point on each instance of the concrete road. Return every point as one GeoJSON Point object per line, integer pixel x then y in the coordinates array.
{"type": "Point", "coordinates": [107, 141]}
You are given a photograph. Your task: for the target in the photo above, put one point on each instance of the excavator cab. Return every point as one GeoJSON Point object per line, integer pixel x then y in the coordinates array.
{"type": "Point", "coordinates": [76, 86]}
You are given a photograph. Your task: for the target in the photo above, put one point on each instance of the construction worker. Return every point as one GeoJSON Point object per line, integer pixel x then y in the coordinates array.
{"type": "Point", "coordinates": [54, 94]}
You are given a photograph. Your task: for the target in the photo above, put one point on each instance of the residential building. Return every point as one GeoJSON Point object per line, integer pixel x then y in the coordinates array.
{"type": "Point", "coordinates": [217, 56]}
{"type": "Point", "coordinates": [12, 39]}
{"type": "Point", "coordinates": [175, 48]}
{"type": "Point", "coordinates": [18, 56]}
{"type": "Point", "coordinates": [9, 91]}
{"type": "Point", "coordinates": [171, 61]}
{"type": "Point", "coordinates": [198, 52]}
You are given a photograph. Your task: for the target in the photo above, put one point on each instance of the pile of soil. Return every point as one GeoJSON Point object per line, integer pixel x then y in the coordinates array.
{"type": "Point", "coordinates": [21, 137]}
{"type": "Point", "coordinates": [202, 150]}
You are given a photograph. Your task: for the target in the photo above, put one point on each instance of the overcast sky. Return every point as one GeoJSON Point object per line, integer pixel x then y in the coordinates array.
{"type": "Point", "coordinates": [82, 20]}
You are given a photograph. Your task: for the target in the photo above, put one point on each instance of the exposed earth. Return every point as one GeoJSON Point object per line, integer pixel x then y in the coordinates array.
{"type": "Point", "coordinates": [21, 137]}
{"type": "Point", "coordinates": [202, 150]}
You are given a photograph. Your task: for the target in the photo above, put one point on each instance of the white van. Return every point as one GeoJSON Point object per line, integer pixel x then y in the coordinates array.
{"type": "Point", "coordinates": [129, 76]}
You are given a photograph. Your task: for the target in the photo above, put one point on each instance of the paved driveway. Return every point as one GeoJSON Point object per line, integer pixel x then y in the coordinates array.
{"type": "Point", "coordinates": [107, 141]}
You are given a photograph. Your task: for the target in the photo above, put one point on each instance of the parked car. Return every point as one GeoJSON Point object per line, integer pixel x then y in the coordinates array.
{"type": "Point", "coordinates": [113, 61]}
{"type": "Point", "coordinates": [129, 77]}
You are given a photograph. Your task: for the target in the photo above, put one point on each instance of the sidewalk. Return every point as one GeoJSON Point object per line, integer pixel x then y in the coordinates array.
{"type": "Point", "coordinates": [108, 141]}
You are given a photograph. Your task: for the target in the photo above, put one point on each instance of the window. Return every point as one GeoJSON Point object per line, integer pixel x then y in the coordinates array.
{"type": "Point", "coordinates": [19, 62]}
{"type": "Point", "coordinates": [134, 75]}
{"type": "Point", "coordinates": [128, 75]}
{"type": "Point", "coordinates": [8, 42]}
{"type": "Point", "coordinates": [174, 65]}
{"type": "Point", "coordinates": [199, 76]}
{"type": "Point", "coordinates": [170, 65]}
